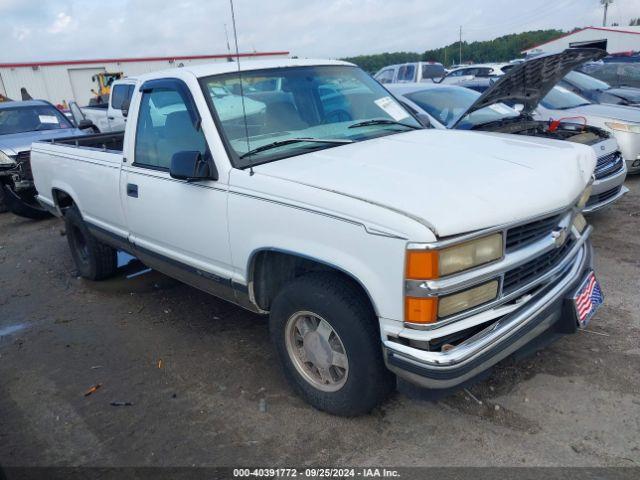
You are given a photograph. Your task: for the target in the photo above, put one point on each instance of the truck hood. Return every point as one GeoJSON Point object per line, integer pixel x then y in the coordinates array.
{"type": "Point", "coordinates": [529, 82]}
{"type": "Point", "coordinates": [450, 181]}
{"type": "Point", "coordinates": [17, 142]}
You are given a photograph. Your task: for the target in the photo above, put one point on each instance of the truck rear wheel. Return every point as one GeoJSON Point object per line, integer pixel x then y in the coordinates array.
{"type": "Point", "coordinates": [94, 260]}
{"type": "Point", "coordinates": [327, 340]}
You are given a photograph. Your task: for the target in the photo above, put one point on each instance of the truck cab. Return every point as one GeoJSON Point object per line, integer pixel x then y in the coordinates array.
{"type": "Point", "coordinates": [411, 72]}
{"type": "Point", "coordinates": [109, 116]}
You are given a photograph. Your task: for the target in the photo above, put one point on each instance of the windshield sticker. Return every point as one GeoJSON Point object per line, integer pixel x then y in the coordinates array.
{"type": "Point", "coordinates": [501, 109]}
{"type": "Point", "coordinates": [48, 119]}
{"type": "Point", "coordinates": [391, 108]}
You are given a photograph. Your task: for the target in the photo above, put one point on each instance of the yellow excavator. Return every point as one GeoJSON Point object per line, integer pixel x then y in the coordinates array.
{"type": "Point", "coordinates": [104, 81]}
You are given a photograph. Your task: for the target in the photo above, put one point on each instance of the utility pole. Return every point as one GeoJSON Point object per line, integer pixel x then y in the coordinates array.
{"type": "Point", "coordinates": [605, 4]}
{"type": "Point", "coordinates": [460, 45]}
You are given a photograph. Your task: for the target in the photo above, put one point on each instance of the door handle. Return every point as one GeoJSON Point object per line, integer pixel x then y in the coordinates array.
{"type": "Point", "coordinates": [111, 118]}
{"type": "Point", "coordinates": [132, 190]}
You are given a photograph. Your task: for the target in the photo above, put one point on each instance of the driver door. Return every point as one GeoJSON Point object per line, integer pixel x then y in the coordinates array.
{"type": "Point", "coordinates": [177, 227]}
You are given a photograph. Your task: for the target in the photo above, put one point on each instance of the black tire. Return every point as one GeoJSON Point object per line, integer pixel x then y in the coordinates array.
{"type": "Point", "coordinates": [24, 206]}
{"type": "Point", "coordinates": [94, 260]}
{"type": "Point", "coordinates": [3, 207]}
{"type": "Point", "coordinates": [343, 305]}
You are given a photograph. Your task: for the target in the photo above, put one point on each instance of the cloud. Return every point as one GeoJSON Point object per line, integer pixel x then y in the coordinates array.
{"type": "Point", "coordinates": [60, 24]}
{"type": "Point", "coordinates": [67, 29]}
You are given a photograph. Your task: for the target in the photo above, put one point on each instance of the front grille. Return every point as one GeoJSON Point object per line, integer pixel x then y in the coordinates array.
{"type": "Point", "coordinates": [608, 165]}
{"type": "Point", "coordinates": [24, 164]}
{"type": "Point", "coordinates": [604, 196]}
{"type": "Point", "coordinates": [522, 275]}
{"type": "Point", "coordinates": [523, 235]}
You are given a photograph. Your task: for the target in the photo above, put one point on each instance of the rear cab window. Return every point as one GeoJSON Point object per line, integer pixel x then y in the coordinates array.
{"type": "Point", "coordinates": [121, 95]}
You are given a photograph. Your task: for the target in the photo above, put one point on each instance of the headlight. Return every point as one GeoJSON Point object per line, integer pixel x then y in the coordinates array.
{"type": "Point", "coordinates": [6, 159]}
{"type": "Point", "coordinates": [623, 127]}
{"type": "Point", "coordinates": [584, 198]}
{"type": "Point", "coordinates": [458, 302]}
{"type": "Point", "coordinates": [429, 264]}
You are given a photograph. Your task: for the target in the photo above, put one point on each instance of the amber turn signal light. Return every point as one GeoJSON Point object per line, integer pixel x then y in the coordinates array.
{"type": "Point", "coordinates": [421, 310]}
{"type": "Point", "coordinates": [422, 264]}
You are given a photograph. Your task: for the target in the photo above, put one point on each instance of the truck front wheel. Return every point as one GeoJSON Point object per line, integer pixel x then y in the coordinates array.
{"type": "Point", "coordinates": [94, 260]}
{"type": "Point", "coordinates": [327, 340]}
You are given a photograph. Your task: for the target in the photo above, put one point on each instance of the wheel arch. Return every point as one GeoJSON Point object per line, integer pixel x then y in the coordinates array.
{"type": "Point", "coordinates": [282, 266]}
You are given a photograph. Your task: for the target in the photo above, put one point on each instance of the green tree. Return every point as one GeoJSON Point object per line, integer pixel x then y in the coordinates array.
{"type": "Point", "coordinates": [500, 49]}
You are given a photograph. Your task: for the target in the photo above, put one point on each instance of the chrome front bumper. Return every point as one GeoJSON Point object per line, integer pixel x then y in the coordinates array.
{"type": "Point", "coordinates": [604, 185]}
{"type": "Point", "coordinates": [445, 369]}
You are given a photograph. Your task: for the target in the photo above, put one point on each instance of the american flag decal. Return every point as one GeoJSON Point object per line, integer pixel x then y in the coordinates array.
{"type": "Point", "coordinates": [588, 299]}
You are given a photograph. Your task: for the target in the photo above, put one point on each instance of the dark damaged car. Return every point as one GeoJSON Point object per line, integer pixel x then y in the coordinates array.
{"type": "Point", "coordinates": [21, 124]}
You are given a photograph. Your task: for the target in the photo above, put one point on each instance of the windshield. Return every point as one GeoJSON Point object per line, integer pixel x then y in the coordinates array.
{"type": "Point", "coordinates": [586, 82]}
{"type": "Point", "coordinates": [446, 104]}
{"type": "Point", "coordinates": [559, 98]}
{"type": "Point", "coordinates": [316, 102]}
{"type": "Point", "coordinates": [20, 119]}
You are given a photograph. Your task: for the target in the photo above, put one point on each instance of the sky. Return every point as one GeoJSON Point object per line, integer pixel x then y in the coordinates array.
{"type": "Point", "coordinates": [33, 30]}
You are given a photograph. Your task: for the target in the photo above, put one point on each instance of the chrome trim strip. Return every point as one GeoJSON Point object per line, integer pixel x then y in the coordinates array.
{"type": "Point", "coordinates": [498, 332]}
{"type": "Point", "coordinates": [369, 230]}
{"type": "Point", "coordinates": [599, 206]}
{"type": "Point", "coordinates": [547, 277]}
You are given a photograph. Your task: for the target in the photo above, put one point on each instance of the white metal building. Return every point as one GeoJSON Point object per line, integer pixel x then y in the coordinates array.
{"type": "Point", "coordinates": [60, 81]}
{"type": "Point", "coordinates": [612, 39]}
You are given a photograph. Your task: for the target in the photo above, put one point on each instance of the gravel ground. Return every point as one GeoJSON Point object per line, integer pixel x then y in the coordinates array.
{"type": "Point", "coordinates": [197, 371]}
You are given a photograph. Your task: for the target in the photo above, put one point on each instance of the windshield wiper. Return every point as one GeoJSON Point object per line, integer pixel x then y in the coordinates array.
{"type": "Point", "coordinates": [289, 141]}
{"type": "Point", "coordinates": [383, 121]}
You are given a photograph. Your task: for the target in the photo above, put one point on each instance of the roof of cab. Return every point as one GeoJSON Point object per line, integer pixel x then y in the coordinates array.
{"type": "Point", "coordinates": [217, 68]}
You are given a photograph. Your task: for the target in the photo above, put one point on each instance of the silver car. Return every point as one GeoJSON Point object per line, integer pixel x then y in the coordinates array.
{"type": "Point", "coordinates": [451, 106]}
{"type": "Point", "coordinates": [21, 124]}
{"type": "Point", "coordinates": [621, 121]}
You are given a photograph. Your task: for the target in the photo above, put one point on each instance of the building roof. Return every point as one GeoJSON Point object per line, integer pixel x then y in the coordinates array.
{"type": "Point", "coordinates": [633, 30]}
{"type": "Point", "coordinates": [141, 59]}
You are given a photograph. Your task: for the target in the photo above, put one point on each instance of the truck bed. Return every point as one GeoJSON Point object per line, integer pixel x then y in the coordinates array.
{"type": "Point", "coordinates": [91, 166]}
{"type": "Point", "coordinates": [102, 141]}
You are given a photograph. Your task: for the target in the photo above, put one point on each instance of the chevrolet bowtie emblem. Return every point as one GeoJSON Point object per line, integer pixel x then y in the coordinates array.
{"type": "Point", "coordinates": [559, 236]}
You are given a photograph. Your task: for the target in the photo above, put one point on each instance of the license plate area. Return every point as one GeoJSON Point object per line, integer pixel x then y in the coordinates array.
{"type": "Point", "coordinates": [587, 299]}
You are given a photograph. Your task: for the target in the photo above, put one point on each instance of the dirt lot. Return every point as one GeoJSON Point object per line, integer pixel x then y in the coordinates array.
{"type": "Point", "coordinates": [196, 370]}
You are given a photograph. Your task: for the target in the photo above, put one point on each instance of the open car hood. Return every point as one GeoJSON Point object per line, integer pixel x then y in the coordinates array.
{"type": "Point", "coordinates": [529, 82]}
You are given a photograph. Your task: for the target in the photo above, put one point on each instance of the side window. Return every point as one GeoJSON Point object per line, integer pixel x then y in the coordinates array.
{"type": "Point", "coordinates": [164, 128]}
{"type": "Point", "coordinates": [386, 76]}
{"type": "Point", "coordinates": [119, 94]}
{"type": "Point", "coordinates": [483, 72]}
{"type": "Point", "coordinates": [406, 73]}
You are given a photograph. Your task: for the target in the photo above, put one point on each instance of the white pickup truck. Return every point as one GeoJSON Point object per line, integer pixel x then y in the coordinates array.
{"type": "Point", "coordinates": [111, 116]}
{"type": "Point", "coordinates": [301, 189]}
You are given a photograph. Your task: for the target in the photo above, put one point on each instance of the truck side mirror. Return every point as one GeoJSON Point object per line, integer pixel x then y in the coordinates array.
{"type": "Point", "coordinates": [189, 165]}
{"type": "Point", "coordinates": [125, 108]}
{"type": "Point", "coordinates": [86, 124]}
{"type": "Point", "coordinates": [424, 120]}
